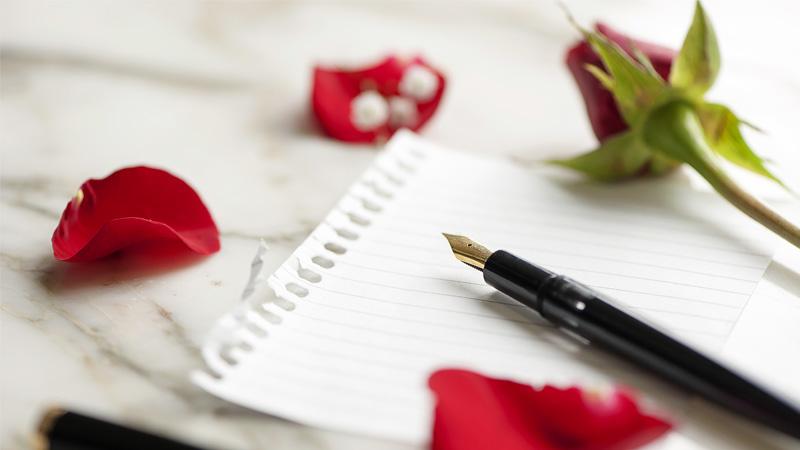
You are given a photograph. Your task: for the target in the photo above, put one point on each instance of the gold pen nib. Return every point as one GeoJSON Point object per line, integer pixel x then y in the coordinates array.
{"type": "Point", "coordinates": [467, 251]}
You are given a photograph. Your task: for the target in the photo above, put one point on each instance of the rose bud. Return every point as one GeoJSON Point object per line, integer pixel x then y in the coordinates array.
{"type": "Point", "coordinates": [647, 108]}
{"type": "Point", "coordinates": [600, 105]}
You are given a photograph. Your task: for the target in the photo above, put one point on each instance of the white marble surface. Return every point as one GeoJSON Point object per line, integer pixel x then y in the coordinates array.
{"type": "Point", "coordinates": [217, 93]}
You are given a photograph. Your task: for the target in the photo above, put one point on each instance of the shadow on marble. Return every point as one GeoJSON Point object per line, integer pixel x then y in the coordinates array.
{"type": "Point", "coordinates": [302, 123]}
{"type": "Point", "coordinates": [298, 121]}
{"type": "Point", "coordinates": [142, 261]}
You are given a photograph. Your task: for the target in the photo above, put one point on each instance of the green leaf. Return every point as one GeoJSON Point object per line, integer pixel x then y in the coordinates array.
{"type": "Point", "coordinates": [721, 128]}
{"type": "Point", "coordinates": [633, 86]}
{"type": "Point", "coordinates": [621, 156]}
{"type": "Point", "coordinates": [697, 64]}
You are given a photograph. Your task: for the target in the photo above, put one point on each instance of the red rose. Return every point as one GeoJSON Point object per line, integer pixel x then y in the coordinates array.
{"type": "Point", "coordinates": [600, 105]}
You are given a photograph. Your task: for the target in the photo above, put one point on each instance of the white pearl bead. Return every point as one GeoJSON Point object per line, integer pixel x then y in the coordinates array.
{"type": "Point", "coordinates": [368, 111]}
{"type": "Point", "coordinates": [402, 112]}
{"type": "Point", "coordinates": [419, 83]}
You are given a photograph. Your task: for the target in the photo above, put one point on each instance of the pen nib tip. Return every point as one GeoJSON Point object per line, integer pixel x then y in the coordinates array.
{"type": "Point", "coordinates": [467, 251]}
{"type": "Point", "coordinates": [451, 237]}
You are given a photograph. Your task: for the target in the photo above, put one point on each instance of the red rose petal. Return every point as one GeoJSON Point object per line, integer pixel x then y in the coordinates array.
{"type": "Point", "coordinates": [129, 207]}
{"type": "Point", "coordinates": [334, 90]}
{"type": "Point", "coordinates": [476, 412]}
{"type": "Point", "coordinates": [600, 105]}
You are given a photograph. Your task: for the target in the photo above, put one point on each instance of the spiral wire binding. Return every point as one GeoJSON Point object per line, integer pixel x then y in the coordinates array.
{"type": "Point", "coordinates": [265, 301]}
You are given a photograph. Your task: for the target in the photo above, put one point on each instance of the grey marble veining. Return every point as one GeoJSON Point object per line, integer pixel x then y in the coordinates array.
{"type": "Point", "coordinates": [217, 93]}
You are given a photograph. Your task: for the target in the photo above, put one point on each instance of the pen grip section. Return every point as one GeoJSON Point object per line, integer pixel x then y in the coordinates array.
{"type": "Point", "coordinates": [516, 277]}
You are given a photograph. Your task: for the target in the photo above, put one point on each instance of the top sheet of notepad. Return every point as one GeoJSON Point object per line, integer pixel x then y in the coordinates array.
{"type": "Point", "coordinates": [373, 301]}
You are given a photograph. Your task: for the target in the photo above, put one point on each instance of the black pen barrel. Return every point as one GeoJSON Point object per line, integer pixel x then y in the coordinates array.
{"type": "Point", "coordinates": [589, 314]}
{"type": "Point", "coordinates": [66, 430]}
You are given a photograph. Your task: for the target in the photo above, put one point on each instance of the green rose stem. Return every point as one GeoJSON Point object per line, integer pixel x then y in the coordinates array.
{"type": "Point", "coordinates": [675, 130]}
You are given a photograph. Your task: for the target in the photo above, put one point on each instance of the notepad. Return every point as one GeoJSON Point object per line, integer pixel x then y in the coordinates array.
{"type": "Point", "coordinates": [352, 324]}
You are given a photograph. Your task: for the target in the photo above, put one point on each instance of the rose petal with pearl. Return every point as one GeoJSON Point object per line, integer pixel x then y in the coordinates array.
{"type": "Point", "coordinates": [345, 103]}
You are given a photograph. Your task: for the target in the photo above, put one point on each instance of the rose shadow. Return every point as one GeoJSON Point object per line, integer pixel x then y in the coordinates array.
{"type": "Point", "coordinates": [144, 260]}
{"type": "Point", "coordinates": [662, 191]}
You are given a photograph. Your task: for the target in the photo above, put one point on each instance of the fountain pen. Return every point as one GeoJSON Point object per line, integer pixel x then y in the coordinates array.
{"type": "Point", "coordinates": [60, 429]}
{"type": "Point", "coordinates": [581, 310]}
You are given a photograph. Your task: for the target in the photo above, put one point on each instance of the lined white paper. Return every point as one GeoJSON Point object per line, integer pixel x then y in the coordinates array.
{"type": "Point", "coordinates": [373, 301]}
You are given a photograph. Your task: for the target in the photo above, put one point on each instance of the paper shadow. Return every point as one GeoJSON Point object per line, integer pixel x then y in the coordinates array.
{"type": "Point", "coordinates": [783, 276]}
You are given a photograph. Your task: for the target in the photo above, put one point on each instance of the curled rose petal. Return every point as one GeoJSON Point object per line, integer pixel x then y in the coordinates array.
{"type": "Point", "coordinates": [600, 105]}
{"type": "Point", "coordinates": [370, 104]}
{"type": "Point", "coordinates": [133, 206]}
{"type": "Point", "coordinates": [476, 412]}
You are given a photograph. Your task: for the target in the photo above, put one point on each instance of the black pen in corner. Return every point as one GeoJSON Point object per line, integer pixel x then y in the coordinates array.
{"type": "Point", "coordinates": [581, 310]}
{"type": "Point", "coordinates": [60, 429]}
